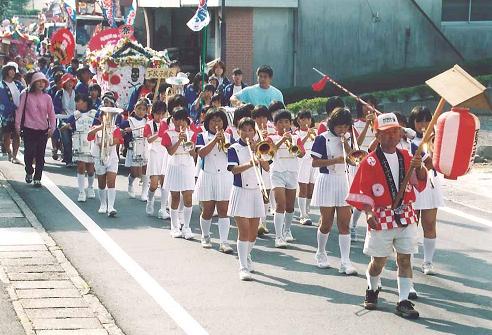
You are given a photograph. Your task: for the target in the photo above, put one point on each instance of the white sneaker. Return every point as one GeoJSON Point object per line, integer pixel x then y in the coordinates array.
{"type": "Point", "coordinates": [131, 193]}
{"type": "Point", "coordinates": [188, 234]}
{"type": "Point", "coordinates": [91, 194]}
{"type": "Point", "coordinates": [102, 209]}
{"type": "Point", "coordinates": [206, 242]}
{"type": "Point", "coordinates": [322, 260]}
{"type": "Point", "coordinates": [144, 196]}
{"type": "Point", "coordinates": [176, 233]}
{"type": "Point", "coordinates": [163, 214]}
{"type": "Point", "coordinates": [288, 237]}
{"type": "Point", "coordinates": [250, 264]}
{"type": "Point", "coordinates": [280, 243]}
{"type": "Point", "coordinates": [149, 209]}
{"type": "Point", "coordinates": [245, 275]}
{"type": "Point", "coordinates": [112, 212]}
{"type": "Point", "coordinates": [82, 197]}
{"type": "Point", "coordinates": [428, 269]}
{"type": "Point", "coordinates": [348, 269]}
{"type": "Point", "coordinates": [226, 248]}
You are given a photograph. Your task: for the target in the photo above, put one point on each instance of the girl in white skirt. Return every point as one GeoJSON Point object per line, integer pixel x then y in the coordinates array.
{"type": "Point", "coordinates": [246, 202]}
{"type": "Point", "coordinates": [80, 123]}
{"type": "Point", "coordinates": [157, 158]}
{"type": "Point", "coordinates": [134, 128]}
{"type": "Point", "coordinates": [331, 187]}
{"type": "Point", "coordinates": [307, 174]}
{"type": "Point", "coordinates": [213, 188]}
{"type": "Point", "coordinates": [429, 200]}
{"type": "Point", "coordinates": [180, 177]}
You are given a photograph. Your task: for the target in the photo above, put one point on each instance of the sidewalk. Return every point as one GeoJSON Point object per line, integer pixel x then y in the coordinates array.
{"type": "Point", "coordinates": [48, 295]}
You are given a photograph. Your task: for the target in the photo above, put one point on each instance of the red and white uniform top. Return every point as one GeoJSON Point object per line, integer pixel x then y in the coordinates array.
{"type": "Point", "coordinates": [284, 161]}
{"type": "Point", "coordinates": [97, 138]}
{"type": "Point", "coordinates": [152, 128]}
{"type": "Point", "coordinates": [233, 131]}
{"type": "Point", "coordinates": [180, 157]}
{"type": "Point", "coordinates": [323, 126]}
{"type": "Point", "coordinates": [308, 144]}
{"type": "Point", "coordinates": [359, 125]}
{"type": "Point", "coordinates": [370, 187]}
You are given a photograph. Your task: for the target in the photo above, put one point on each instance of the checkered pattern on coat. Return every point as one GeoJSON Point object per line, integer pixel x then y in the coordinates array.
{"type": "Point", "coordinates": [385, 217]}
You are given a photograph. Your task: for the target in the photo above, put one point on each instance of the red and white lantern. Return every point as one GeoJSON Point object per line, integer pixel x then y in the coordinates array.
{"type": "Point", "coordinates": [455, 142]}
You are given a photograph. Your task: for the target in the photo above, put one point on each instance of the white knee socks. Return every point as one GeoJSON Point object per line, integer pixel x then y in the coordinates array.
{"type": "Point", "coordinates": [242, 251]}
{"type": "Point", "coordinates": [187, 216]}
{"type": "Point", "coordinates": [81, 182]}
{"type": "Point", "coordinates": [429, 249]}
{"type": "Point", "coordinates": [90, 181]}
{"type": "Point", "coordinates": [344, 244]}
{"type": "Point", "coordinates": [205, 226]}
{"type": "Point", "coordinates": [224, 226]}
{"type": "Point", "coordinates": [150, 195]}
{"type": "Point", "coordinates": [308, 206]}
{"type": "Point", "coordinates": [111, 197]}
{"type": "Point", "coordinates": [145, 184]}
{"type": "Point", "coordinates": [251, 246]}
{"type": "Point", "coordinates": [404, 285]}
{"type": "Point", "coordinates": [288, 221]}
{"type": "Point", "coordinates": [174, 218]}
{"type": "Point", "coordinates": [322, 239]}
{"type": "Point", "coordinates": [103, 196]}
{"type": "Point", "coordinates": [373, 282]}
{"type": "Point", "coordinates": [302, 207]}
{"type": "Point", "coordinates": [130, 180]}
{"type": "Point", "coordinates": [278, 221]}
{"type": "Point", "coordinates": [164, 196]}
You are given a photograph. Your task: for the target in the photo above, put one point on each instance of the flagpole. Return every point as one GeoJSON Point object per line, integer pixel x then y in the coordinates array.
{"type": "Point", "coordinates": [204, 55]}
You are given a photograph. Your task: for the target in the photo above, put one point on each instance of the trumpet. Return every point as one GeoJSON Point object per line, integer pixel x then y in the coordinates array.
{"type": "Point", "coordinates": [312, 134]}
{"type": "Point", "coordinates": [263, 189]}
{"type": "Point", "coordinates": [294, 149]}
{"type": "Point", "coordinates": [108, 125]}
{"type": "Point", "coordinates": [223, 144]}
{"type": "Point", "coordinates": [264, 150]}
{"type": "Point", "coordinates": [188, 145]}
{"type": "Point", "coordinates": [355, 156]}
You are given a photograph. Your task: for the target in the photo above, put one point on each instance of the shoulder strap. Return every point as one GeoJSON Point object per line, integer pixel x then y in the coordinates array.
{"type": "Point", "coordinates": [24, 110]}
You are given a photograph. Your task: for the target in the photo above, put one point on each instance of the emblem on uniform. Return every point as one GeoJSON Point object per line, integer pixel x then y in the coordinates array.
{"type": "Point", "coordinates": [377, 189]}
{"type": "Point", "coordinates": [371, 161]}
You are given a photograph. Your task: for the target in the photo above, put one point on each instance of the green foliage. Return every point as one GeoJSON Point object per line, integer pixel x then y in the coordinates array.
{"type": "Point", "coordinates": [4, 4]}
{"type": "Point", "coordinates": [16, 7]}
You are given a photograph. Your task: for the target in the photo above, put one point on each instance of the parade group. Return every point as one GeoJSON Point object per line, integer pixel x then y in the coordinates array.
{"type": "Point", "coordinates": [241, 154]}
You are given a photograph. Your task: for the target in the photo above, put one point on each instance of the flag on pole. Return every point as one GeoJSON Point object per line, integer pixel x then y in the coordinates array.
{"type": "Point", "coordinates": [69, 6]}
{"type": "Point", "coordinates": [320, 85]}
{"type": "Point", "coordinates": [109, 8]}
{"type": "Point", "coordinates": [130, 19]}
{"type": "Point", "coordinates": [201, 19]}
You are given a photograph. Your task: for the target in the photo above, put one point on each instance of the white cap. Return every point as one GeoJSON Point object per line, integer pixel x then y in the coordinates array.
{"type": "Point", "coordinates": [14, 65]}
{"type": "Point", "coordinates": [386, 121]}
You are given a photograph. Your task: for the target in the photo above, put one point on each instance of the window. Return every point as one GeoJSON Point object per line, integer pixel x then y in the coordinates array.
{"type": "Point", "coordinates": [466, 10]}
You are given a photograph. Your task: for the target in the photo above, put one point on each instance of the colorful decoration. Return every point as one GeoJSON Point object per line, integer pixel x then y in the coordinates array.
{"type": "Point", "coordinates": [201, 19]}
{"type": "Point", "coordinates": [109, 9]}
{"type": "Point", "coordinates": [107, 37]}
{"type": "Point", "coordinates": [63, 45]}
{"type": "Point", "coordinates": [455, 142]}
{"type": "Point", "coordinates": [130, 19]}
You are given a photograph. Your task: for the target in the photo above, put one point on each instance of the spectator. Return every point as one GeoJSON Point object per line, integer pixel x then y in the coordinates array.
{"type": "Point", "coordinates": [204, 99]}
{"type": "Point", "coordinates": [147, 87]}
{"type": "Point", "coordinates": [43, 65]}
{"type": "Point", "coordinates": [73, 67]}
{"type": "Point", "coordinates": [193, 90]}
{"type": "Point", "coordinates": [219, 71]}
{"type": "Point", "coordinates": [262, 93]}
{"type": "Point", "coordinates": [84, 75]}
{"type": "Point", "coordinates": [36, 117]}
{"type": "Point", "coordinates": [233, 88]}
{"type": "Point", "coordinates": [95, 95]}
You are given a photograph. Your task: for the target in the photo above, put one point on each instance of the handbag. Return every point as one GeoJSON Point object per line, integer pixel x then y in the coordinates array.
{"type": "Point", "coordinates": [23, 117]}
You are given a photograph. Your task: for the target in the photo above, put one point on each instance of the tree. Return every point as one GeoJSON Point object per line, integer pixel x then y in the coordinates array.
{"type": "Point", "coordinates": [4, 4]}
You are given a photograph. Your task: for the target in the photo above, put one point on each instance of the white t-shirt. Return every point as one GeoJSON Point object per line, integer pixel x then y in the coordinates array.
{"type": "Point", "coordinates": [237, 89]}
{"type": "Point", "coordinates": [394, 166]}
{"type": "Point", "coordinates": [15, 92]}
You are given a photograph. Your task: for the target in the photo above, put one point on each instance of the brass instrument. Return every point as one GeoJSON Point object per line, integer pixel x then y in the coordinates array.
{"type": "Point", "coordinates": [294, 149]}
{"type": "Point", "coordinates": [188, 145]}
{"type": "Point", "coordinates": [223, 144]}
{"type": "Point", "coordinates": [108, 122]}
{"type": "Point", "coordinates": [355, 156]}
{"type": "Point", "coordinates": [265, 150]}
{"type": "Point", "coordinates": [312, 134]}
{"type": "Point", "coordinates": [263, 189]}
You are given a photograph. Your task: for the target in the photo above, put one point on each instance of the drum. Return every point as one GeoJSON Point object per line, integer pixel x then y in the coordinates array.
{"type": "Point", "coordinates": [81, 147]}
{"type": "Point", "coordinates": [139, 150]}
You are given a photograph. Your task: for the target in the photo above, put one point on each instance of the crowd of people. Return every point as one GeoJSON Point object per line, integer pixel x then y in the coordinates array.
{"type": "Point", "coordinates": [241, 154]}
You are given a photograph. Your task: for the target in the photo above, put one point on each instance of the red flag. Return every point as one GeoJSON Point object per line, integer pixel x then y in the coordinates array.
{"type": "Point", "coordinates": [320, 85]}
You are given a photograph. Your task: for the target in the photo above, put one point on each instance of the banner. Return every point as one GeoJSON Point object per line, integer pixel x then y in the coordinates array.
{"type": "Point", "coordinates": [130, 19]}
{"type": "Point", "coordinates": [201, 19]}
{"type": "Point", "coordinates": [63, 46]}
{"type": "Point", "coordinates": [106, 37]}
{"type": "Point", "coordinates": [109, 9]}
{"type": "Point", "coordinates": [69, 6]}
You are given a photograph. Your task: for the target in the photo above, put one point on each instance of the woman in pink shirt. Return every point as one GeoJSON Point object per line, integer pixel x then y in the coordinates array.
{"type": "Point", "coordinates": [36, 117]}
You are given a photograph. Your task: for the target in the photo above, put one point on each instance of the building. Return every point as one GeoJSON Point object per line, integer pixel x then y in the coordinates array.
{"type": "Point", "coordinates": [344, 38]}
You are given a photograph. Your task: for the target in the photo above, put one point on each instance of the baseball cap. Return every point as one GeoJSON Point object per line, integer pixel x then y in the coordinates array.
{"type": "Point", "coordinates": [386, 121]}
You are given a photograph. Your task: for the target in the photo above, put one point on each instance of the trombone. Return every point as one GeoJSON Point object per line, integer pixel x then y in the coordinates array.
{"type": "Point", "coordinates": [188, 145]}
{"type": "Point", "coordinates": [294, 149]}
{"type": "Point", "coordinates": [223, 144]}
{"type": "Point", "coordinates": [355, 156]}
{"type": "Point", "coordinates": [265, 150]}
{"type": "Point", "coordinates": [263, 189]}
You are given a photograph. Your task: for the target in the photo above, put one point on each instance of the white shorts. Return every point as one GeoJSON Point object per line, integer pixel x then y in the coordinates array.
{"type": "Point", "coordinates": [101, 169]}
{"type": "Point", "coordinates": [213, 187]}
{"type": "Point", "coordinates": [382, 243]}
{"type": "Point", "coordinates": [129, 160]}
{"type": "Point", "coordinates": [246, 203]}
{"type": "Point", "coordinates": [330, 190]}
{"type": "Point", "coordinates": [307, 174]}
{"type": "Point", "coordinates": [155, 165]}
{"type": "Point", "coordinates": [180, 178]}
{"type": "Point", "coordinates": [286, 179]}
{"type": "Point", "coordinates": [84, 158]}
{"type": "Point", "coordinates": [265, 175]}
{"type": "Point", "coordinates": [431, 197]}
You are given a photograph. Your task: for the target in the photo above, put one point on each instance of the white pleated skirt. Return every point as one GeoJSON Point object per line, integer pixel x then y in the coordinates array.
{"type": "Point", "coordinates": [129, 160]}
{"type": "Point", "coordinates": [214, 187]}
{"type": "Point", "coordinates": [330, 190]}
{"type": "Point", "coordinates": [430, 197]}
{"type": "Point", "coordinates": [180, 178]}
{"type": "Point", "coordinates": [307, 174]}
{"type": "Point", "coordinates": [84, 158]}
{"type": "Point", "coordinates": [265, 175]}
{"type": "Point", "coordinates": [246, 203]}
{"type": "Point", "coordinates": [157, 163]}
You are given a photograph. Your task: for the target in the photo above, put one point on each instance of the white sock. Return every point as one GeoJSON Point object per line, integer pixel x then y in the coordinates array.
{"type": "Point", "coordinates": [150, 195]}
{"type": "Point", "coordinates": [322, 239]}
{"type": "Point", "coordinates": [251, 246]}
{"type": "Point", "coordinates": [145, 184]}
{"type": "Point", "coordinates": [181, 209]}
{"type": "Point", "coordinates": [404, 285]}
{"type": "Point", "coordinates": [164, 196]}
{"type": "Point", "coordinates": [372, 282]}
{"type": "Point", "coordinates": [308, 206]}
{"type": "Point", "coordinates": [103, 197]}
{"type": "Point", "coordinates": [267, 207]}
{"type": "Point", "coordinates": [90, 181]}
{"type": "Point", "coordinates": [355, 217]}
{"type": "Point", "coordinates": [278, 221]}
{"type": "Point", "coordinates": [344, 244]}
{"type": "Point", "coordinates": [288, 221]}
{"type": "Point", "coordinates": [224, 226]}
{"type": "Point", "coordinates": [272, 200]}
{"type": "Point", "coordinates": [242, 251]}
{"type": "Point", "coordinates": [429, 249]}
{"type": "Point", "coordinates": [174, 218]}
{"type": "Point", "coordinates": [302, 207]}
{"type": "Point", "coordinates": [205, 226]}
{"type": "Point", "coordinates": [130, 180]}
{"type": "Point", "coordinates": [81, 182]}
{"type": "Point", "coordinates": [187, 216]}
{"type": "Point", "coordinates": [111, 197]}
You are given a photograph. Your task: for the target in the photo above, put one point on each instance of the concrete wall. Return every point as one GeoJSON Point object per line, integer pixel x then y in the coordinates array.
{"type": "Point", "coordinates": [474, 40]}
{"type": "Point", "coordinates": [273, 39]}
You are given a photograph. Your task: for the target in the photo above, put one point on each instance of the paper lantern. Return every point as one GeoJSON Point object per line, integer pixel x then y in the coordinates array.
{"type": "Point", "coordinates": [455, 142]}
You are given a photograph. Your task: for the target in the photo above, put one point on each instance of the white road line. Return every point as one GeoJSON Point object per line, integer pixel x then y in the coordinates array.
{"type": "Point", "coordinates": [183, 319]}
{"type": "Point", "coordinates": [466, 216]}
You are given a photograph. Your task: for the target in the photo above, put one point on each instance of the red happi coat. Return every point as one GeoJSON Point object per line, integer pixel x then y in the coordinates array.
{"type": "Point", "coordinates": [370, 187]}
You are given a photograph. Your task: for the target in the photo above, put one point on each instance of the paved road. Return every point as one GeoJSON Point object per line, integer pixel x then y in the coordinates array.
{"type": "Point", "coordinates": [289, 295]}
